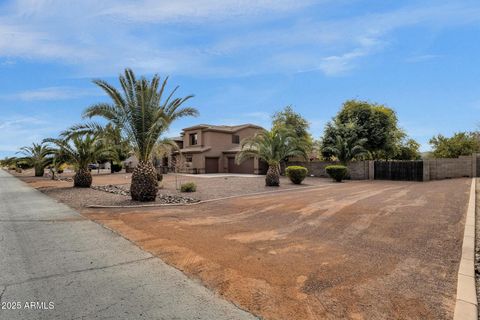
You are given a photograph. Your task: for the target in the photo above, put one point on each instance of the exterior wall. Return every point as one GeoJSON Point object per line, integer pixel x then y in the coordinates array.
{"type": "Point", "coordinates": [359, 170]}
{"type": "Point", "coordinates": [451, 168]}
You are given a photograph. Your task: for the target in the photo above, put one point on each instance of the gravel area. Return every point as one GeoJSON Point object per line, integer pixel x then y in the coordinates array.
{"type": "Point", "coordinates": [477, 241]}
{"type": "Point", "coordinates": [112, 189]}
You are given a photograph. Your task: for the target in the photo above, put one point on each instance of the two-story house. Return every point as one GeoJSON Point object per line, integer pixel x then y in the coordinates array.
{"type": "Point", "coordinates": [212, 149]}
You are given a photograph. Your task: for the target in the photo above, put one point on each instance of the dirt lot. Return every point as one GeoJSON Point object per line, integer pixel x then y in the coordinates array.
{"type": "Point", "coordinates": [207, 187]}
{"type": "Point", "coordinates": [357, 250]}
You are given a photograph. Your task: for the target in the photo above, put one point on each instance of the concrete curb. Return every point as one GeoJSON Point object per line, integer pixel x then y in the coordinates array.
{"type": "Point", "coordinates": [466, 306]}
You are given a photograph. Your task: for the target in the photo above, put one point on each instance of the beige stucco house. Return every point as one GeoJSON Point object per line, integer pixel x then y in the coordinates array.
{"type": "Point", "coordinates": [208, 148]}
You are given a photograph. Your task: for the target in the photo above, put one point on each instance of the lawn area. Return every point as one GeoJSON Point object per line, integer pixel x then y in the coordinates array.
{"type": "Point", "coordinates": [356, 250]}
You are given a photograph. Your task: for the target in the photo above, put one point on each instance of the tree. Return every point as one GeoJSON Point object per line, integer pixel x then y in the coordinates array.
{"type": "Point", "coordinates": [408, 149]}
{"type": "Point", "coordinates": [112, 137]}
{"type": "Point", "coordinates": [374, 122]}
{"type": "Point", "coordinates": [80, 150]}
{"type": "Point", "coordinates": [37, 156]}
{"type": "Point", "coordinates": [273, 146]}
{"type": "Point", "coordinates": [347, 145]}
{"type": "Point", "coordinates": [460, 144]}
{"type": "Point", "coordinates": [143, 115]}
{"type": "Point", "coordinates": [287, 118]}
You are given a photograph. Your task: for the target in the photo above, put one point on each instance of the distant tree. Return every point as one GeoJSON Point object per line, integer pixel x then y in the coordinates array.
{"type": "Point", "coordinates": [408, 149]}
{"type": "Point", "coordinates": [375, 122]}
{"type": "Point", "coordinates": [460, 144]}
{"type": "Point", "coordinates": [80, 151]}
{"type": "Point", "coordinates": [273, 146]}
{"type": "Point", "coordinates": [289, 119]}
{"type": "Point", "coordinates": [38, 156]}
{"type": "Point", "coordinates": [347, 145]}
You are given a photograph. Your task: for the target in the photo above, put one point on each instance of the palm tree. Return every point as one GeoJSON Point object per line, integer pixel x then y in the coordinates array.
{"type": "Point", "coordinates": [346, 146]}
{"type": "Point", "coordinates": [143, 116]}
{"type": "Point", "coordinates": [80, 150]}
{"type": "Point", "coordinates": [38, 156]}
{"type": "Point", "coordinates": [273, 147]}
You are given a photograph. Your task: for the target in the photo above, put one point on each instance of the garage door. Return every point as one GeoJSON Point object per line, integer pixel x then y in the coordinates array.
{"type": "Point", "coordinates": [211, 165]}
{"type": "Point", "coordinates": [244, 167]}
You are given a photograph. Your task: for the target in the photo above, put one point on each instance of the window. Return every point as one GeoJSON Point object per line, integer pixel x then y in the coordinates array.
{"type": "Point", "coordinates": [193, 139]}
{"type": "Point", "coordinates": [236, 139]}
{"type": "Point", "coordinates": [188, 158]}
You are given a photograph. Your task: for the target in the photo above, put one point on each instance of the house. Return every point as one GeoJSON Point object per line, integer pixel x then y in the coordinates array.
{"type": "Point", "coordinates": [208, 148]}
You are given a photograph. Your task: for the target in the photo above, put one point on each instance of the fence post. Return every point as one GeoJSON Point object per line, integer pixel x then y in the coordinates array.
{"type": "Point", "coordinates": [474, 165]}
{"type": "Point", "coordinates": [371, 170]}
{"type": "Point", "coordinates": [426, 170]}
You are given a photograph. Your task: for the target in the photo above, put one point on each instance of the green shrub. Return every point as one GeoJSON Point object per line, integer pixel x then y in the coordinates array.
{"type": "Point", "coordinates": [296, 173]}
{"type": "Point", "coordinates": [337, 172]}
{"type": "Point", "coordinates": [188, 187]}
{"type": "Point", "coordinates": [116, 167]}
{"type": "Point", "coordinates": [12, 167]}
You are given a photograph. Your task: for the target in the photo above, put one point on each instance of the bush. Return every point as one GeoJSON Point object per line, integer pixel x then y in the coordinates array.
{"type": "Point", "coordinates": [116, 167]}
{"type": "Point", "coordinates": [188, 187]}
{"type": "Point", "coordinates": [296, 173]}
{"type": "Point", "coordinates": [337, 172]}
{"type": "Point", "coordinates": [12, 167]}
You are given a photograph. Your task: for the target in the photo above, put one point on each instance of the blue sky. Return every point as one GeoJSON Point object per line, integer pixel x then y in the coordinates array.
{"type": "Point", "coordinates": [243, 60]}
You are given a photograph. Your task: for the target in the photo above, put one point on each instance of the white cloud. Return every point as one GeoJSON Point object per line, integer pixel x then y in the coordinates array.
{"type": "Point", "coordinates": [52, 94]}
{"type": "Point", "coordinates": [208, 37]}
{"type": "Point", "coordinates": [198, 10]}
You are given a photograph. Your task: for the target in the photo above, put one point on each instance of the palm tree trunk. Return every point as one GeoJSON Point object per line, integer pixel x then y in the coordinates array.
{"type": "Point", "coordinates": [144, 185]}
{"type": "Point", "coordinates": [39, 171]}
{"type": "Point", "coordinates": [82, 178]}
{"type": "Point", "coordinates": [272, 179]}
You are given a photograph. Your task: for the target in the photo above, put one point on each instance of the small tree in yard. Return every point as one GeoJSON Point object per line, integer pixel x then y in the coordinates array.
{"type": "Point", "coordinates": [273, 146]}
{"type": "Point", "coordinates": [80, 151]}
{"type": "Point", "coordinates": [37, 156]}
{"type": "Point", "coordinates": [347, 146]}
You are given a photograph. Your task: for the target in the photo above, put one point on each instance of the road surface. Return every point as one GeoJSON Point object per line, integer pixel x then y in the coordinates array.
{"type": "Point", "coordinates": [55, 264]}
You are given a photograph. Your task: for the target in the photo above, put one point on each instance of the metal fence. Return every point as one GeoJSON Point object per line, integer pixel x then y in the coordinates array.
{"type": "Point", "coordinates": [399, 170]}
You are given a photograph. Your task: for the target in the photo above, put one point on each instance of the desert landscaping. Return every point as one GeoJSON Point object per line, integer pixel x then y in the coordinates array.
{"type": "Point", "coordinates": [356, 250]}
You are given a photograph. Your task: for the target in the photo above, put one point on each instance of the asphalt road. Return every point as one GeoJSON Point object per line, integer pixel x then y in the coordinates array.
{"type": "Point", "coordinates": [54, 264]}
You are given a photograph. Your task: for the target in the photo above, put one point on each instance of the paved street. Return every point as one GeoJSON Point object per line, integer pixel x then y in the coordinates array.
{"type": "Point", "coordinates": [72, 268]}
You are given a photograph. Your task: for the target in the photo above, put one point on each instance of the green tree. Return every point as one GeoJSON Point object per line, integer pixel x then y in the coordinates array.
{"type": "Point", "coordinates": [143, 115]}
{"type": "Point", "coordinates": [375, 122]}
{"type": "Point", "coordinates": [408, 149]}
{"type": "Point", "coordinates": [460, 144]}
{"type": "Point", "coordinates": [273, 146]}
{"type": "Point", "coordinates": [38, 156]}
{"type": "Point", "coordinates": [80, 150]}
{"type": "Point", "coordinates": [347, 145]}
{"type": "Point", "coordinates": [288, 118]}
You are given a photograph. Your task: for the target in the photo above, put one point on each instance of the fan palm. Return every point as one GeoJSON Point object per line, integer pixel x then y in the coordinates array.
{"type": "Point", "coordinates": [80, 150]}
{"type": "Point", "coordinates": [346, 147]}
{"type": "Point", "coordinates": [38, 155]}
{"type": "Point", "coordinates": [143, 115]}
{"type": "Point", "coordinates": [273, 147]}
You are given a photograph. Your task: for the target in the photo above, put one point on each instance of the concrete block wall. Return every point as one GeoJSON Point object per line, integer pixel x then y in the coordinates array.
{"type": "Point", "coordinates": [439, 169]}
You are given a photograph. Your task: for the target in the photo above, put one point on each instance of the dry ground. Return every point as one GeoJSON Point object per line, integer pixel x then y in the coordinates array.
{"type": "Point", "coordinates": [207, 188]}
{"type": "Point", "coordinates": [368, 250]}
{"type": "Point", "coordinates": [356, 250]}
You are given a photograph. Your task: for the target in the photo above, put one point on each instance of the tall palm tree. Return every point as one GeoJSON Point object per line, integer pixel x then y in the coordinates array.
{"type": "Point", "coordinates": [273, 147]}
{"type": "Point", "coordinates": [80, 150]}
{"type": "Point", "coordinates": [143, 115]}
{"type": "Point", "coordinates": [37, 155]}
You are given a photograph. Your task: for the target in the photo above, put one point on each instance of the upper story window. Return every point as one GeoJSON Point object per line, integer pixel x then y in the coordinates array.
{"type": "Point", "coordinates": [236, 139]}
{"type": "Point", "coordinates": [193, 139]}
